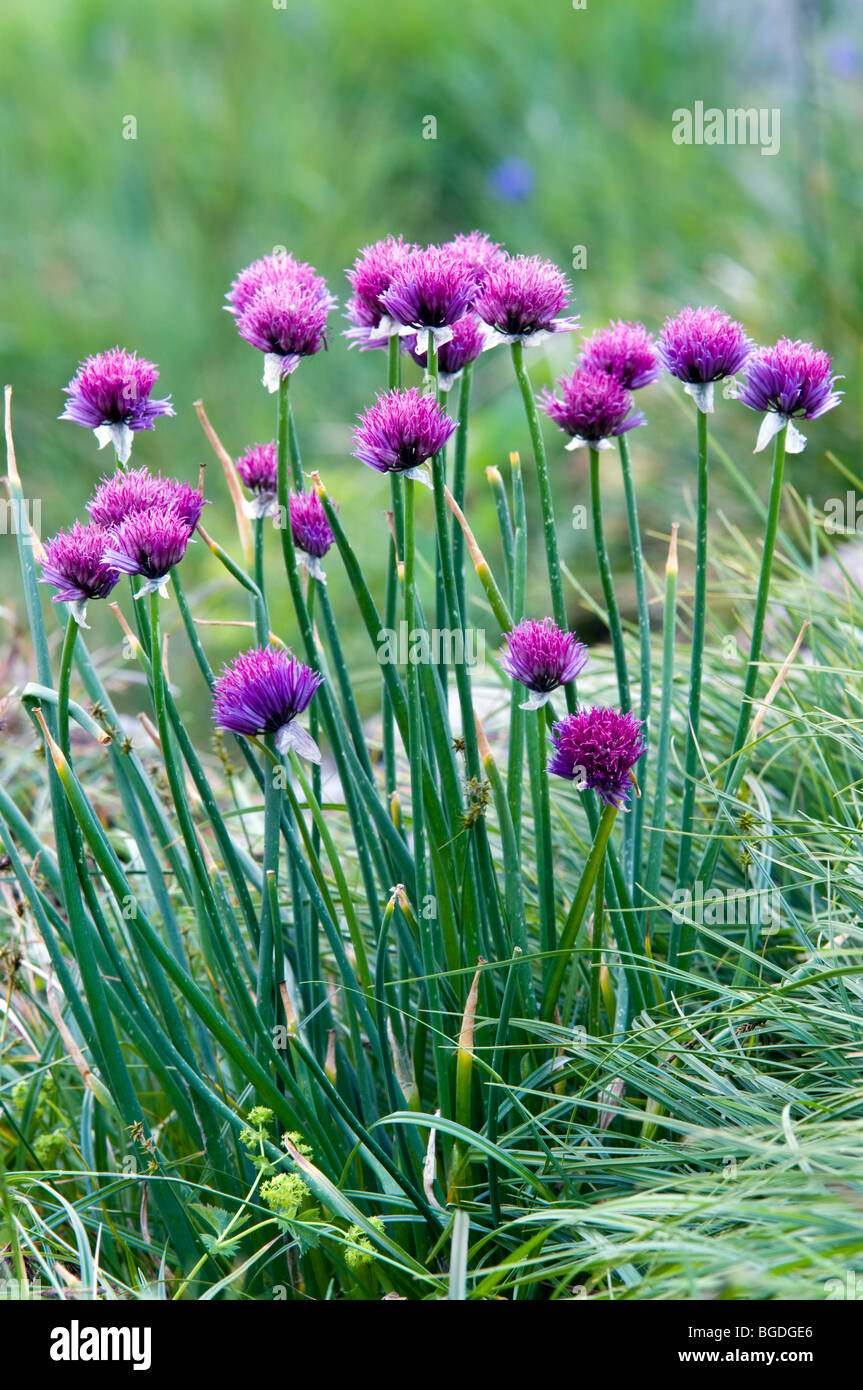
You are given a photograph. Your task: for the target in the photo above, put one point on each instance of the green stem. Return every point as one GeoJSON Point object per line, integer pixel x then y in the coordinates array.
{"type": "Point", "coordinates": [607, 581]}
{"type": "Point", "coordinates": [66, 655]}
{"type": "Point", "coordinates": [696, 661]}
{"type": "Point", "coordinates": [660, 797]}
{"type": "Point", "coordinates": [596, 952]}
{"type": "Point", "coordinates": [644, 656]}
{"type": "Point", "coordinates": [555, 583]}
{"type": "Point", "coordinates": [737, 762]}
{"type": "Point", "coordinates": [577, 911]}
{"type": "Point", "coordinates": [259, 609]}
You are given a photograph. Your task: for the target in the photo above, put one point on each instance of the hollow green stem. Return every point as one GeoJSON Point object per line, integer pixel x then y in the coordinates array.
{"type": "Point", "coordinates": [555, 583]}
{"type": "Point", "coordinates": [644, 656]}
{"type": "Point", "coordinates": [696, 660]}
{"type": "Point", "coordinates": [577, 910]}
{"type": "Point", "coordinates": [66, 656]}
{"type": "Point", "coordinates": [607, 580]}
{"type": "Point", "coordinates": [596, 951]}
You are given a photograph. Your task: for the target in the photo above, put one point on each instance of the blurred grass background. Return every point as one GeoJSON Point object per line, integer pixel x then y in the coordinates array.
{"type": "Point", "coordinates": [303, 126]}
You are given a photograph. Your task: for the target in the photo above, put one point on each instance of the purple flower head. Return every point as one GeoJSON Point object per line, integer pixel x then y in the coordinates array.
{"type": "Point", "coordinates": [286, 320]}
{"type": "Point", "coordinates": [310, 530]}
{"type": "Point", "coordinates": [261, 692]}
{"type": "Point", "coordinates": [400, 431]}
{"type": "Point", "coordinates": [597, 748]}
{"type": "Point", "coordinates": [150, 544]}
{"type": "Point", "coordinates": [593, 407]}
{"type": "Point", "coordinates": [791, 379]}
{"type": "Point", "coordinates": [542, 657]}
{"type": "Point", "coordinates": [522, 300]}
{"type": "Point", "coordinates": [139, 491]}
{"type": "Point", "coordinates": [624, 350]}
{"type": "Point", "coordinates": [258, 469]}
{"type": "Point", "coordinates": [370, 278]}
{"type": "Point", "coordinates": [76, 567]}
{"type": "Point", "coordinates": [429, 292]}
{"type": "Point", "coordinates": [272, 270]}
{"type": "Point", "coordinates": [700, 347]}
{"type": "Point", "coordinates": [110, 394]}
{"type": "Point", "coordinates": [465, 345]}
{"type": "Point", "coordinates": [478, 251]}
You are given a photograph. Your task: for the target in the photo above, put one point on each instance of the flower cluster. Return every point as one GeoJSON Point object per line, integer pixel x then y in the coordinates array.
{"type": "Point", "coordinates": [76, 566]}
{"type": "Point", "coordinates": [281, 306]}
{"type": "Point", "coordinates": [261, 692]}
{"type": "Point", "coordinates": [522, 300]}
{"type": "Point", "coordinates": [598, 748]}
{"type": "Point", "coordinates": [701, 347]}
{"type": "Point", "coordinates": [258, 469]}
{"type": "Point", "coordinates": [140, 524]}
{"type": "Point", "coordinates": [790, 379]}
{"type": "Point", "coordinates": [592, 408]}
{"type": "Point", "coordinates": [311, 531]}
{"type": "Point", "coordinates": [542, 657]}
{"type": "Point", "coordinates": [110, 394]}
{"type": "Point", "coordinates": [400, 432]}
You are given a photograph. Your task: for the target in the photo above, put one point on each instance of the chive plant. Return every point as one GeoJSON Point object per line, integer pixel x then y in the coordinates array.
{"type": "Point", "coordinates": [350, 1011]}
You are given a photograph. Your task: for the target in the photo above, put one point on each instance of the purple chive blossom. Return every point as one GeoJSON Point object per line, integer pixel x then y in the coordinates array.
{"type": "Point", "coordinates": [139, 491]}
{"type": "Point", "coordinates": [542, 657]}
{"type": "Point", "coordinates": [791, 379]}
{"type": "Point", "coordinates": [592, 407]}
{"type": "Point", "coordinates": [700, 347]}
{"type": "Point", "coordinates": [149, 544]}
{"type": "Point", "coordinates": [478, 251]}
{"type": "Point", "coordinates": [465, 345]}
{"type": "Point", "coordinates": [370, 278]}
{"type": "Point", "coordinates": [400, 431]}
{"type": "Point", "coordinates": [110, 394]}
{"type": "Point", "coordinates": [76, 567]}
{"type": "Point", "coordinates": [271, 270]}
{"type": "Point", "coordinates": [310, 530]}
{"type": "Point", "coordinates": [285, 319]}
{"type": "Point", "coordinates": [429, 292]}
{"type": "Point", "coordinates": [597, 748]}
{"type": "Point", "coordinates": [522, 301]}
{"type": "Point", "coordinates": [261, 692]}
{"type": "Point", "coordinates": [258, 469]}
{"type": "Point", "coordinates": [625, 351]}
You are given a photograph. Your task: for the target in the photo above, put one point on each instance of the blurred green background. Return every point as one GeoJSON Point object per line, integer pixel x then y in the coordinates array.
{"type": "Point", "coordinates": [302, 125]}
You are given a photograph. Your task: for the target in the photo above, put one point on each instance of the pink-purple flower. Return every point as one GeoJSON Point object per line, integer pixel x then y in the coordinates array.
{"type": "Point", "coordinates": [370, 278]}
{"type": "Point", "coordinates": [592, 408]}
{"type": "Point", "coordinates": [286, 320]}
{"type": "Point", "coordinates": [478, 251]}
{"type": "Point", "coordinates": [429, 292]}
{"type": "Point", "coordinates": [700, 347]}
{"type": "Point", "coordinates": [790, 380]}
{"type": "Point", "coordinates": [311, 531]}
{"type": "Point", "coordinates": [598, 748]}
{"type": "Point", "coordinates": [542, 657]}
{"type": "Point", "coordinates": [400, 431]}
{"type": "Point", "coordinates": [262, 691]}
{"type": "Point", "coordinates": [75, 565]}
{"type": "Point", "coordinates": [465, 345]}
{"type": "Point", "coordinates": [522, 300]}
{"type": "Point", "coordinates": [149, 544]}
{"type": "Point", "coordinates": [625, 351]}
{"type": "Point", "coordinates": [278, 268]}
{"type": "Point", "coordinates": [258, 469]}
{"type": "Point", "coordinates": [110, 394]}
{"type": "Point", "coordinates": [137, 490]}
